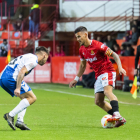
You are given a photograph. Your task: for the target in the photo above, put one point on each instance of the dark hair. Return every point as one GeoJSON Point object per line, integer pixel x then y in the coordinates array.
{"type": "Point", "coordinates": [80, 29]}
{"type": "Point", "coordinates": [39, 49]}
{"type": "Point", "coordinates": [4, 40]}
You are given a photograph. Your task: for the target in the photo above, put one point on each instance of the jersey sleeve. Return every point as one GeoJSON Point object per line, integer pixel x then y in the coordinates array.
{"type": "Point", "coordinates": [81, 55]}
{"type": "Point", "coordinates": [104, 49]}
{"type": "Point", "coordinates": [32, 63]}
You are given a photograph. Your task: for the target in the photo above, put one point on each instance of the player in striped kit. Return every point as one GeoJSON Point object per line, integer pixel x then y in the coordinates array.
{"type": "Point", "coordinates": [11, 80]}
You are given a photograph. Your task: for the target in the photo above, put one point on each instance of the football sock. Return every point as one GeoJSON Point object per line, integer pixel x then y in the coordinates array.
{"type": "Point", "coordinates": [110, 112]}
{"type": "Point", "coordinates": [21, 115]}
{"type": "Point", "coordinates": [20, 107]}
{"type": "Point", "coordinates": [115, 106]}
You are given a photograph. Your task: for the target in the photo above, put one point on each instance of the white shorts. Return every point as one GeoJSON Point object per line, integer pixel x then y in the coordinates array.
{"type": "Point", "coordinates": [104, 80]}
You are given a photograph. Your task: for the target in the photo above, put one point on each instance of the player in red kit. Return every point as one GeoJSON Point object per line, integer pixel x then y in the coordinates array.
{"type": "Point", "coordinates": [96, 54]}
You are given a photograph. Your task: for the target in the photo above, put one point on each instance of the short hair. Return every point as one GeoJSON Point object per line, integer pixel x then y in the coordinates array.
{"type": "Point", "coordinates": [80, 29]}
{"type": "Point", "coordinates": [4, 40]}
{"type": "Point", "coordinates": [39, 49]}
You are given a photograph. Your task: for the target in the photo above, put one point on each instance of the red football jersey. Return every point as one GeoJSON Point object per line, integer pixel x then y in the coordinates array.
{"type": "Point", "coordinates": [95, 55]}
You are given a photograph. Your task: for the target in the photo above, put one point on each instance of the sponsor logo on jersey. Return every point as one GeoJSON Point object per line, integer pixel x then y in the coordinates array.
{"type": "Point", "coordinates": [92, 52]}
{"type": "Point", "coordinates": [103, 78]}
{"type": "Point", "coordinates": [92, 59]}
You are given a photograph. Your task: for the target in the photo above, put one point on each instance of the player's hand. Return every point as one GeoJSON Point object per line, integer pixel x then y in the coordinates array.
{"type": "Point", "coordinates": [122, 71]}
{"type": "Point", "coordinates": [72, 83]}
{"type": "Point", "coordinates": [17, 92]}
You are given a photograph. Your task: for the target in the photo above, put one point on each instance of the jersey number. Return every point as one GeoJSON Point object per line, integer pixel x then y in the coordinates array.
{"type": "Point", "coordinates": [13, 61]}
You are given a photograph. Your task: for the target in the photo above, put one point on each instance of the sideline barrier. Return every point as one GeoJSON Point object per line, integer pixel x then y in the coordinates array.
{"type": "Point", "coordinates": [2, 63]}
{"type": "Point", "coordinates": [64, 69]}
{"type": "Point", "coordinates": [42, 74]}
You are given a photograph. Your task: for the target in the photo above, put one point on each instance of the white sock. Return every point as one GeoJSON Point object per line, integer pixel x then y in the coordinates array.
{"type": "Point", "coordinates": [117, 113]}
{"type": "Point", "coordinates": [21, 106]}
{"type": "Point", "coordinates": [21, 115]}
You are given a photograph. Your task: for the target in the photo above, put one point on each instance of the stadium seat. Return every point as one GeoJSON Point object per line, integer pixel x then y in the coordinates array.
{"type": "Point", "coordinates": [22, 44]}
{"type": "Point", "coordinates": [4, 35]}
{"type": "Point", "coordinates": [12, 44]}
{"type": "Point", "coordinates": [1, 42]}
{"type": "Point", "coordinates": [1, 27]}
{"type": "Point", "coordinates": [138, 42]}
{"type": "Point", "coordinates": [16, 35]}
{"type": "Point", "coordinates": [10, 27]}
{"type": "Point", "coordinates": [120, 41]}
{"type": "Point", "coordinates": [26, 35]}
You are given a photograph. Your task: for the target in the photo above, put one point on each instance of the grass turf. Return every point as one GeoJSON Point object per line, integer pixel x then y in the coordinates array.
{"type": "Point", "coordinates": [61, 113]}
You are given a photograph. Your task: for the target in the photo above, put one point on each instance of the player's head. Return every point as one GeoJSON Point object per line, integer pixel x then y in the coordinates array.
{"type": "Point", "coordinates": [42, 54]}
{"type": "Point", "coordinates": [81, 34]}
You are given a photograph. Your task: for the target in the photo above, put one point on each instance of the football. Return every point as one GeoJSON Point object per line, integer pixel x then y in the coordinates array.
{"type": "Point", "coordinates": [105, 123]}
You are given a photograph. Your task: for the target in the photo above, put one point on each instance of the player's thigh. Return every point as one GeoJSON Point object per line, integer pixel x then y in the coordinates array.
{"type": "Point", "coordinates": [28, 94]}
{"type": "Point", "coordinates": [108, 82]}
{"type": "Point", "coordinates": [108, 91]}
{"type": "Point", "coordinates": [98, 87]}
{"type": "Point", "coordinates": [108, 79]}
{"type": "Point", "coordinates": [9, 85]}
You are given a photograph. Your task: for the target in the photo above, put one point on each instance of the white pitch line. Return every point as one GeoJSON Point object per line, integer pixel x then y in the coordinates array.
{"type": "Point", "coordinates": [81, 95]}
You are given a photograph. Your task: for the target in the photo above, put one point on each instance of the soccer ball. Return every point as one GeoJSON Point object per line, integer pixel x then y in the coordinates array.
{"type": "Point", "coordinates": [105, 123]}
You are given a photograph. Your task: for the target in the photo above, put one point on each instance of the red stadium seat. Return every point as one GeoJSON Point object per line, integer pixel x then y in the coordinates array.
{"type": "Point", "coordinates": [4, 35]}
{"type": "Point", "coordinates": [1, 42]}
{"type": "Point", "coordinates": [22, 44]}
{"type": "Point", "coordinates": [16, 35]}
{"type": "Point", "coordinates": [12, 44]}
{"type": "Point", "coordinates": [10, 27]}
{"type": "Point", "coordinates": [26, 35]}
{"type": "Point", "coordinates": [1, 27]}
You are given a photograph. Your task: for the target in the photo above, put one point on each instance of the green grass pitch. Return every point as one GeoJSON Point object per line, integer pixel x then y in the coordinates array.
{"type": "Point", "coordinates": [61, 113]}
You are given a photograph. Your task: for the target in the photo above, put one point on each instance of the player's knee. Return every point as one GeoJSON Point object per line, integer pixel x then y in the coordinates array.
{"type": "Point", "coordinates": [34, 98]}
{"type": "Point", "coordinates": [98, 102]}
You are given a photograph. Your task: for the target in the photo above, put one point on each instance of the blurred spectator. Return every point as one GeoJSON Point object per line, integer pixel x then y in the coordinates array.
{"type": "Point", "coordinates": [134, 24]}
{"type": "Point", "coordinates": [129, 51]}
{"type": "Point", "coordinates": [4, 48]}
{"type": "Point", "coordinates": [138, 25]}
{"type": "Point", "coordinates": [34, 20]}
{"type": "Point", "coordinates": [109, 42]}
{"type": "Point", "coordinates": [99, 39]}
{"type": "Point", "coordinates": [128, 36]}
{"type": "Point", "coordinates": [122, 50]}
{"type": "Point", "coordinates": [116, 49]}
{"type": "Point", "coordinates": [137, 59]}
{"type": "Point", "coordinates": [59, 52]}
{"type": "Point", "coordinates": [50, 55]}
{"type": "Point", "coordinates": [135, 36]}
{"type": "Point", "coordinates": [18, 24]}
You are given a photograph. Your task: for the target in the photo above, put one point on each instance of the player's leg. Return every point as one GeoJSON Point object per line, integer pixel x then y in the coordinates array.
{"type": "Point", "coordinates": [99, 100]}
{"type": "Point", "coordinates": [21, 115]}
{"type": "Point", "coordinates": [27, 99]}
{"type": "Point", "coordinates": [115, 107]}
{"type": "Point", "coordinates": [99, 97]}
{"type": "Point", "coordinates": [26, 95]}
{"type": "Point", "coordinates": [108, 83]}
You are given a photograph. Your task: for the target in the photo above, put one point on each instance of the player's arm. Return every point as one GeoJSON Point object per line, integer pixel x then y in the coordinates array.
{"type": "Point", "coordinates": [109, 52]}
{"type": "Point", "coordinates": [79, 74]}
{"type": "Point", "coordinates": [81, 68]}
{"type": "Point", "coordinates": [19, 80]}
